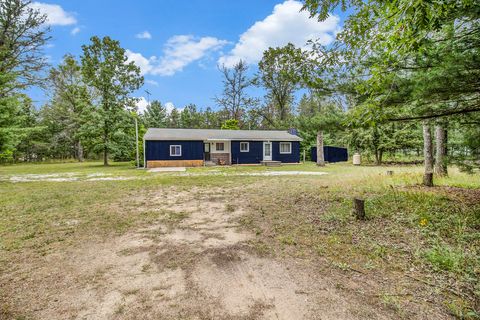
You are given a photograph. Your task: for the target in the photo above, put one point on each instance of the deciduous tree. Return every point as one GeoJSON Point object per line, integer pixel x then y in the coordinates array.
{"type": "Point", "coordinates": [105, 67]}
{"type": "Point", "coordinates": [235, 99]}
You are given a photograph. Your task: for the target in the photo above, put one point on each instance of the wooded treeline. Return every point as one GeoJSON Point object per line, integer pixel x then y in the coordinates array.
{"type": "Point", "coordinates": [402, 80]}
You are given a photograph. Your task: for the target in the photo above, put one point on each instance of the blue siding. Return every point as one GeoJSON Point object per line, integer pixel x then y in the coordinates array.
{"type": "Point", "coordinates": [193, 150]}
{"type": "Point", "coordinates": [287, 158]}
{"type": "Point", "coordinates": [254, 154]}
{"type": "Point", "coordinates": [331, 154]}
{"type": "Point", "coordinates": [160, 150]}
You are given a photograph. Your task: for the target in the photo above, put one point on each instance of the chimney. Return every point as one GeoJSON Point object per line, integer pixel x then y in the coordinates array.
{"type": "Point", "coordinates": [293, 131]}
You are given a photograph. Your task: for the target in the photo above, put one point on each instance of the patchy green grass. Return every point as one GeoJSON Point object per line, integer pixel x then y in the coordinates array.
{"type": "Point", "coordinates": [414, 236]}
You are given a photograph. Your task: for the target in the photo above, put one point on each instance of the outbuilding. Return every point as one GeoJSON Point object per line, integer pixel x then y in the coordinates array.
{"type": "Point", "coordinates": [331, 154]}
{"type": "Point", "coordinates": [197, 147]}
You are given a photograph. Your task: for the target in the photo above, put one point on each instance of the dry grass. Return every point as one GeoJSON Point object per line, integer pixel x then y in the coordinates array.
{"type": "Point", "coordinates": [417, 255]}
{"type": "Point", "coordinates": [417, 251]}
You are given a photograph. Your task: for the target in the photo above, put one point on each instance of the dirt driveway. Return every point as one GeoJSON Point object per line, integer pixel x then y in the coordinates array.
{"type": "Point", "coordinates": [195, 263]}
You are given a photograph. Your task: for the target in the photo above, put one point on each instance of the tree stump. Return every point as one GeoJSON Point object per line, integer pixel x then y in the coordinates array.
{"type": "Point", "coordinates": [359, 208]}
{"type": "Point", "coordinates": [428, 179]}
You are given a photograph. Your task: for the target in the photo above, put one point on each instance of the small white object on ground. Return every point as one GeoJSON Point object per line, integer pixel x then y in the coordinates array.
{"type": "Point", "coordinates": [357, 159]}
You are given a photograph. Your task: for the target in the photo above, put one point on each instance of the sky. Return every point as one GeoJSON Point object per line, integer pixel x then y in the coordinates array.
{"type": "Point", "coordinates": [179, 44]}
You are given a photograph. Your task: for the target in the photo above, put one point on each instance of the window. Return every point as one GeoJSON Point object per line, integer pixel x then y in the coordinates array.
{"type": "Point", "coordinates": [175, 150]}
{"type": "Point", "coordinates": [285, 147]}
{"type": "Point", "coordinates": [244, 147]}
{"type": "Point", "coordinates": [220, 146]}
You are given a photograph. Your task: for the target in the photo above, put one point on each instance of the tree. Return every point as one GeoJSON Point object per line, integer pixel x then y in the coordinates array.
{"type": "Point", "coordinates": [30, 135]}
{"type": "Point", "coordinates": [174, 119]}
{"type": "Point", "coordinates": [230, 124]}
{"type": "Point", "coordinates": [105, 68]}
{"type": "Point", "coordinates": [9, 121]}
{"type": "Point", "coordinates": [22, 36]}
{"type": "Point", "coordinates": [320, 154]}
{"type": "Point", "coordinates": [440, 150]}
{"type": "Point", "coordinates": [419, 60]}
{"type": "Point", "coordinates": [155, 115]}
{"type": "Point", "coordinates": [23, 33]}
{"type": "Point", "coordinates": [409, 61]}
{"type": "Point", "coordinates": [274, 73]}
{"type": "Point", "coordinates": [212, 119]}
{"type": "Point", "coordinates": [71, 100]}
{"type": "Point", "coordinates": [328, 117]}
{"type": "Point", "coordinates": [235, 99]}
{"type": "Point", "coordinates": [190, 117]}
{"type": "Point", "coordinates": [427, 154]}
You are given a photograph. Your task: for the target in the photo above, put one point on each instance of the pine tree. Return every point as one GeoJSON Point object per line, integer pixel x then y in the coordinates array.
{"type": "Point", "coordinates": [155, 115]}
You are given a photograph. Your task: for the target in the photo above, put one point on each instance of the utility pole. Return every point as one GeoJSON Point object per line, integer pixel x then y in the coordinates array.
{"type": "Point", "coordinates": [148, 97]}
{"type": "Point", "coordinates": [136, 129]}
{"type": "Point", "coordinates": [136, 136]}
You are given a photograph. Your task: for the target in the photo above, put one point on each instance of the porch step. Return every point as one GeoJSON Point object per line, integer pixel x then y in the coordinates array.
{"type": "Point", "coordinates": [209, 163]}
{"type": "Point", "coordinates": [271, 163]}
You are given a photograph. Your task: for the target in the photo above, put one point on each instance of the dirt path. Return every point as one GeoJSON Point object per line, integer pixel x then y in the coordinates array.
{"type": "Point", "coordinates": [195, 263]}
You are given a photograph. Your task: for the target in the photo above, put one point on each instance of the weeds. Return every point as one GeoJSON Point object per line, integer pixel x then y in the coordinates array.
{"type": "Point", "coordinates": [444, 258]}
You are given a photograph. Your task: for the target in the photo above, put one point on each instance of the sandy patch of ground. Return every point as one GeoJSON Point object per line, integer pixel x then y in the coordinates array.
{"type": "Point", "coordinates": [285, 173]}
{"type": "Point", "coordinates": [168, 169]}
{"type": "Point", "coordinates": [258, 173]}
{"type": "Point", "coordinates": [63, 177]}
{"type": "Point", "coordinates": [195, 263]}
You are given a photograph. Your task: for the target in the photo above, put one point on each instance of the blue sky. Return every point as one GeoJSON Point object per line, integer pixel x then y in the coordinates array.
{"type": "Point", "coordinates": [178, 44]}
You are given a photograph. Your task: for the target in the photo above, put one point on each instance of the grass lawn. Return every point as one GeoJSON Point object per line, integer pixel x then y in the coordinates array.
{"type": "Point", "coordinates": [416, 255]}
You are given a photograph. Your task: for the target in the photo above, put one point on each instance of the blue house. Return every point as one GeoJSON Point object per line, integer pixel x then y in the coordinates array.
{"type": "Point", "coordinates": [331, 154]}
{"type": "Point", "coordinates": [197, 147]}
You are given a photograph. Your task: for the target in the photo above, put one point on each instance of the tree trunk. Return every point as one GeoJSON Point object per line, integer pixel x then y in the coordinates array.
{"type": "Point", "coordinates": [320, 155]}
{"type": "Point", "coordinates": [80, 152]}
{"type": "Point", "coordinates": [441, 150]}
{"type": "Point", "coordinates": [105, 147]}
{"type": "Point", "coordinates": [428, 155]}
{"type": "Point", "coordinates": [378, 157]}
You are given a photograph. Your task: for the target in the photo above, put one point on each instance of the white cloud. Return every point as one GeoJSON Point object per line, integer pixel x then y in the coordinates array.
{"type": "Point", "coordinates": [169, 106]}
{"type": "Point", "coordinates": [285, 24]}
{"type": "Point", "coordinates": [55, 14]}
{"type": "Point", "coordinates": [178, 52]}
{"type": "Point", "coordinates": [152, 82]}
{"type": "Point", "coordinates": [75, 31]}
{"type": "Point", "coordinates": [142, 62]}
{"type": "Point", "coordinates": [143, 35]}
{"type": "Point", "coordinates": [142, 104]}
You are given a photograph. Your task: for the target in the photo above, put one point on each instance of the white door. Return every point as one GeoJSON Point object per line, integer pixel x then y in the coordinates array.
{"type": "Point", "coordinates": [267, 151]}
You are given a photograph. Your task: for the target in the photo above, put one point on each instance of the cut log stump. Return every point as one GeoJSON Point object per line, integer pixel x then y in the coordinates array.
{"type": "Point", "coordinates": [428, 179]}
{"type": "Point", "coordinates": [359, 208]}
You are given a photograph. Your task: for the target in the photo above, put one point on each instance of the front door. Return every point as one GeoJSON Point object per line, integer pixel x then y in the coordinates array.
{"type": "Point", "coordinates": [267, 151]}
{"type": "Point", "coordinates": [206, 151]}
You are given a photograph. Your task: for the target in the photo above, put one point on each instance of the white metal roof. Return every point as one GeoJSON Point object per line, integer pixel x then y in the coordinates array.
{"type": "Point", "coordinates": [215, 134]}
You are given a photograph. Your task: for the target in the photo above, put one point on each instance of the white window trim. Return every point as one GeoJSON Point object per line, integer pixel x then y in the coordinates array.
{"type": "Point", "coordinates": [175, 147]}
{"type": "Point", "coordinates": [248, 147]}
{"type": "Point", "coordinates": [280, 147]}
{"type": "Point", "coordinates": [216, 143]}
